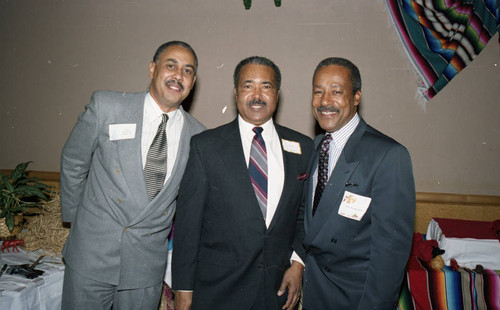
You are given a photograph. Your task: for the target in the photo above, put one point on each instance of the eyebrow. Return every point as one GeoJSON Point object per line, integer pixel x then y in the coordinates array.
{"type": "Point", "coordinates": [330, 85]}
{"type": "Point", "coordinates": [176, 61]}
{"type": "Point", "coordinates": [265, 82]}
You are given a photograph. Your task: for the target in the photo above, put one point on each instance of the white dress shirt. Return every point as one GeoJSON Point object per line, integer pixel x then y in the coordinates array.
{"type": "Point", "coordinates": [151, 120]}
{"type": "Point", "coordinates": [275, 170]}
{"type": "Point", "coordinates": [275, 166]}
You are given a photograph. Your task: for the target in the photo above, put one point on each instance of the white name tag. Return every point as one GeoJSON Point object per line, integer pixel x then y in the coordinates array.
{"type": "Point", "coordinates": [354, 206]}
{"type": "Point", "coordinates": [291, 146]}
{"type": "Point", "coordinates": [121, 131]}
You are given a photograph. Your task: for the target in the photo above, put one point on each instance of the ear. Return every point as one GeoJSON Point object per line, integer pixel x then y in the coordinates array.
{"type": "Point", "coordinates": [235, 92]}
{"type": "Point", "coordinates": [152, 67]}
{"type": "Point", "coordinates": [357, 98]}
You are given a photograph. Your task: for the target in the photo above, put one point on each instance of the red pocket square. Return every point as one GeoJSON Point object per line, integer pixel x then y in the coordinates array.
{"type": "Point", "coordinates": [302, 176]}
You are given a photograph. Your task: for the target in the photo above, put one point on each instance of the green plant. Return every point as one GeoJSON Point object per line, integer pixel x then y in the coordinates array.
{"type": "Point", "coordinates": [18, 192]}
{"type": "Point", "coordinates": [248, 3]}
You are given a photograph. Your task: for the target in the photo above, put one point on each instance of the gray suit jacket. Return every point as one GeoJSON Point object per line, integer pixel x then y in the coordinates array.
{"type": "Point", "coordinates": [117, 235]}
{"type": "Point", "coordinates": [360, 264]}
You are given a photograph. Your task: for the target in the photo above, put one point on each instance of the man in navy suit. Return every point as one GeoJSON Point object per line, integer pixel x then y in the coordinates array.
{"type": "Point", "coordinates": [231, 250]}
{"type": "Point", "coordinates": [360, 202]}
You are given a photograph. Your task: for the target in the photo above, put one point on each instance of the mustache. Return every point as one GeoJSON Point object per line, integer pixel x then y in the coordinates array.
{"type": "Point", "coordinates": [257, 101]}
{"type": "Point", "coordinates": [327, 109]}
{"type": "Point", "coordinates": [174, 82]}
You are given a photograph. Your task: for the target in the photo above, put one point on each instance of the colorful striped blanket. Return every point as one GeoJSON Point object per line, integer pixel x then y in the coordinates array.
{"type": "Point", "coordinates": [442, 36]}
{"type": "Point", "coordinates": [426, 289]}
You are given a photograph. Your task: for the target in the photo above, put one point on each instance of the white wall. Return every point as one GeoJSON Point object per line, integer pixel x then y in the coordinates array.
{"type": "Point", "coordinates": [53, 54]}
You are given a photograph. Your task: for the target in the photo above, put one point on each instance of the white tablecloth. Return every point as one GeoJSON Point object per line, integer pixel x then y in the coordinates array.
{"type": "Point", "coordinates": [468, 252]}
{"type": "Point", "coordinates": [41, 293]}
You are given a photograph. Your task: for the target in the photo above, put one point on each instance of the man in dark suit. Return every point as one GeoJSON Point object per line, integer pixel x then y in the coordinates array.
{"type": "Point", "coordinates": [360, 202]}
{"type": "Point", "coordinates": [238, 211]}
{"type": "Point", "coordinates": [120, 172]}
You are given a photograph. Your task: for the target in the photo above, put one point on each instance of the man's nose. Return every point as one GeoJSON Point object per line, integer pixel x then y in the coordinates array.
{"type": "Point", "coordinates": [326, 99]}
{"type": "Point", "coordinates": [257, 93]}
{"type": "Point", "coordinates": [178, 74]}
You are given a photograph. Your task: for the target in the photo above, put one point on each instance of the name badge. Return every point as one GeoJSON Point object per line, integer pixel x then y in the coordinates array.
{"type": "Point", "coordinates": [354, 206]}
{"type": "Point", "coordinates": [291, 146]}
{"type": "Point", "coordinates": [121, 131]}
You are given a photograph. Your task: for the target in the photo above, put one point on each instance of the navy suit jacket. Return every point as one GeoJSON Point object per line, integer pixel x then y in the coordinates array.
{"type": "Point", "coordinates": [355, 264]}
{"type": "Point", "coordinates": [222, 249]}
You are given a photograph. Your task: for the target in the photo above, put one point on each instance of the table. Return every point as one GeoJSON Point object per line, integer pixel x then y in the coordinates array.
{"type": "Point", "coordinates": [41, 293]}
{"type": "Point", "coordinates": [470, 243]}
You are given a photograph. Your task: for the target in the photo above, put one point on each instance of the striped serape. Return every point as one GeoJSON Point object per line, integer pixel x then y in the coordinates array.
{"type": "Point", "coordinates": [428, 289]}
{"type": "Point", "coordinates": [442, 36]}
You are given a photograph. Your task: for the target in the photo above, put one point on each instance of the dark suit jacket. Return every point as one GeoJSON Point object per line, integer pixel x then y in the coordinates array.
{"type": "Point", "coordinates": [222, 248]}
{"type": "Point", "coordinates": [118, 236]}
{"type": "Point", "coordinates": [360, 264]}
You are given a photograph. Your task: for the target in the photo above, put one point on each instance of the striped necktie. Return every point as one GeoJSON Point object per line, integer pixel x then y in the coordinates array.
{"type": "Point", "coordinates": [156, 161]}
{"type": "Point", "coordinates": [322, 170]}
{"type": "Point", "coordinates": [258, 169]}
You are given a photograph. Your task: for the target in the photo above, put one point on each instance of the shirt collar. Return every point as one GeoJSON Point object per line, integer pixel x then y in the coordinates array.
{"type": "Point", "coordinates": [246, 127]}
{"type": "Point", "coordinates": [341, 136]}
{"type": "Point", "coordinates": [154, 112]}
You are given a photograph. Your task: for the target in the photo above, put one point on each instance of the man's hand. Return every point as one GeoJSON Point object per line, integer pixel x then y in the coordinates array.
{"type": "Point", "coordinates": [293, 281]}
{"type": "Point", "coordinates": [183, 300]}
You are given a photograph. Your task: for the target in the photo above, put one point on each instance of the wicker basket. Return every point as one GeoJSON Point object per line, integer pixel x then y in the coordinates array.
{"type": "Point", "coordinates": [5, 234]}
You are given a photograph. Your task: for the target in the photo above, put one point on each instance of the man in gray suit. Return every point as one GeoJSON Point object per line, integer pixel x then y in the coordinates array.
{"type": "Point", "coordinates": [360, 203]}
{"type": "Point", "coordinates": [120, 172]}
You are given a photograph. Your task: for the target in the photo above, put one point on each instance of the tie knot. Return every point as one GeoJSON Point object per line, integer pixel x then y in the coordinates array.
{"type": "Point", "coordinates": [258, 130]}
{"type": "Point", "coordinates": [164, 117]}
{"type": "Point", "coordinates": [326, 139]}
{"type": "Point", "coordinates": [325, 143]}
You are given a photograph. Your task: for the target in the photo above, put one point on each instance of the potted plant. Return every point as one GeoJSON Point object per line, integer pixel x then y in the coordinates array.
{"type": "Point", "coordinates": [18, 192]}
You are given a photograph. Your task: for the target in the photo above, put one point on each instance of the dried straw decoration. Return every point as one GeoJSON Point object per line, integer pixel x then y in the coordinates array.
{"type": "Point", "coordinates": [45, 231]}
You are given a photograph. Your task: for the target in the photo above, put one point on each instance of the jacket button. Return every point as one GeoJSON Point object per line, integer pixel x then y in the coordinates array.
{"type": "Point", "coordinates": [333, 240]}
{"type": "Point", "coordinates": [260, 266]}
{"type": "Point", "coordinates": [126, 228]}
{"type": "Point", "coordinates": [327, 269]}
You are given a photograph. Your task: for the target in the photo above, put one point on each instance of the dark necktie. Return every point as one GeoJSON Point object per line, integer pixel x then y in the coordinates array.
{"type": "Point", "coordinates": [156, 161]}
{"type": "Point", "coordinates": [322, 170]}
{"type": "Point", "coordinates": [258, 169]}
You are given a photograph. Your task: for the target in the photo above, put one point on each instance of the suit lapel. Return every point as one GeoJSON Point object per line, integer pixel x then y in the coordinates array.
{"type": "Point", "coordinates": [310, 183]}
{"type": "Point", "coordinates": [129, 152]}
{"type": "Point", "coordinates": [332, 195]}
{"type": "Point", "coordinates": [290, 174]}
{"type": "Point", "coordinates": [232, 153]}
{"type": "Point", "coordinates": [335, 188]}
{"type": "Point", "coordinates": [172, 183]}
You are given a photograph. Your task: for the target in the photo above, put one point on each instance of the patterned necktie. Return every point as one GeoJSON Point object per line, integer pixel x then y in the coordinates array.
{"type": "Point", "coordinates": [322, 170]}
{"type": "Point", "coordinates": [156, 161]}
{"type": "Point", "coordinates": [258, 169]}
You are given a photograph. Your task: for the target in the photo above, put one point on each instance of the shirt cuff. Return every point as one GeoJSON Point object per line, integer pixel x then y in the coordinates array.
{"type": "Point", "coordinates": [296, 258]}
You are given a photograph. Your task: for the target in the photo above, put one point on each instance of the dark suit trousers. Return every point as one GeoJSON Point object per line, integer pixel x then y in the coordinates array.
{"type": "Point", "coordinates": [263, 302]}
